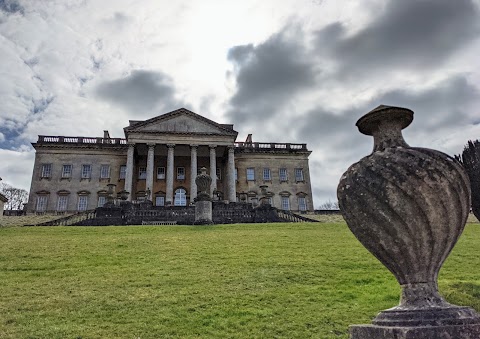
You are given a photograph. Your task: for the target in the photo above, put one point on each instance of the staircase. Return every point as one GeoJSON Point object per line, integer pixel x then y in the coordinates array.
{"type": "Point", "coordinates": [71, 220]}
{"type": "Point", "coordinates": [288, 216]}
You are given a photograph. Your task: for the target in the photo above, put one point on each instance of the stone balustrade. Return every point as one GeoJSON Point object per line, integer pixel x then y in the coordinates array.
{"type": "Point", "coordinates": [48, 139]}
{"type": "Point", "coordinates": [270, 146]}
{"type": "Point", "coordinates": [119, 141]}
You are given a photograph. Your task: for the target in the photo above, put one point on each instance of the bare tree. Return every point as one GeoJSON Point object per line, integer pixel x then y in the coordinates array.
{"type": "Point", "coordinates": [329, 205]}
{"type": "Point", "coordinates": [16, 196]}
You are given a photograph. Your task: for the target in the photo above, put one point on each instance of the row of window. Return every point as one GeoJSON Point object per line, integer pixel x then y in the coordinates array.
{"type": "Point", "coordinates": [62, 203]}
{"type": "Point", "coordinates": [86, 172]}
{"type": "Point", "coordinates": [180, 199]}
{"type": "Point", "coordinates": [267, 174]}
{"type": "Point", "coordinates": [67, 170]}
{"type": "Point", "coordinates": [142, 173]}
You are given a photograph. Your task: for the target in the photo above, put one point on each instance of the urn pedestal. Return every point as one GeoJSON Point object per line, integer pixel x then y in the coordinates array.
{"type": "Point", "coordinates": [408, 207]}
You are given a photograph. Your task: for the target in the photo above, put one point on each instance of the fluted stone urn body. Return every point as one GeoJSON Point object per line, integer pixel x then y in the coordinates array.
{"type": "Point", "coordinates": [408, 207]}
{"type": "Point", "coordinates": [203, 181]}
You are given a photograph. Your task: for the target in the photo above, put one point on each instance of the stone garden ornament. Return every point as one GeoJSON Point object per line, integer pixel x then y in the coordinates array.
{"type": "Point", "coordinates": [203, 201]}
{"type": "Point", "coordinates": [408, 207]}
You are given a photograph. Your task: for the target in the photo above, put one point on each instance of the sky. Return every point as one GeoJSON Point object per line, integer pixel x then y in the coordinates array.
{"type": "Point", "coordinates": [299, 71]}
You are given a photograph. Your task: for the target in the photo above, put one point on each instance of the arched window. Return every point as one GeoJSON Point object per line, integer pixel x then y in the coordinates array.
{"type": "Point", "coordinates": [180, 197]}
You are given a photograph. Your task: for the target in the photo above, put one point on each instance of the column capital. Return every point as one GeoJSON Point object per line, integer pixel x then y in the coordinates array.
{"type": "Point", "coordinates": [193, 146]}
{"type": "Point", "coordinates": [212, 146]}
{"type": "Point", "coordinates": [231, 148]}
{"type": "Point", "coordinates": [151, 145]}
{"type": "Point", "coordinates": [131, 145]}
{"type": "Point", "coordinates": [170, 145]}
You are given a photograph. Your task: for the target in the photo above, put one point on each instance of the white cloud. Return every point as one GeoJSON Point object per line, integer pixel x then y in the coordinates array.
{"type": "Point", "coordinates": [16, 168]}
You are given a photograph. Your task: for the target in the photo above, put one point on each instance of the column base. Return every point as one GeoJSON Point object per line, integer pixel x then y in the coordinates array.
{"type": "Point", "coordinates": [470, 331]}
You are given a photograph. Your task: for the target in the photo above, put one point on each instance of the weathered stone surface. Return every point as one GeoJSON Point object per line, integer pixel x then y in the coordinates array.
{"type": "Point", "coordinates": [408, 207]}
{"type": "Point", "coordinates": [203, 212]}
{"type": "Point", "coordinates": [203, 181]}
{"type": "Point", "coordinates": [419, 332]}
{"type": "Point", "coordinates": [274, 160]}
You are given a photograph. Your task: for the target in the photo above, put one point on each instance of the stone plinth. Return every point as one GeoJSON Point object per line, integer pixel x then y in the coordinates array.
{"type": "Point", "coordinates": [418, 332]}
{"type": "Point", "coordinates": [203, 212]}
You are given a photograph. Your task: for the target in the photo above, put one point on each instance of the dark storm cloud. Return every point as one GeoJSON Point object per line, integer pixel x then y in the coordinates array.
{"type": "Point", "coordinates": [267, 75]}
{"type": "Point", "coordinates": [408, 33]}
{"type": "Point", "coordinates": [140, 92]}
{"type": "Point", "coordinates": [436, 108]}
{"type": "Point", "coordinates": [11, 7]}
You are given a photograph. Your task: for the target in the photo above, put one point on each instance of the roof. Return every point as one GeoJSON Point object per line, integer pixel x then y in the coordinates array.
{"type": "Point", "coordinates": [172, 122]}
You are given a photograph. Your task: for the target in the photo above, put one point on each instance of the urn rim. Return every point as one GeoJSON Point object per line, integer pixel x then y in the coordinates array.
{"type": "Point", "coordinates": [368, 123]}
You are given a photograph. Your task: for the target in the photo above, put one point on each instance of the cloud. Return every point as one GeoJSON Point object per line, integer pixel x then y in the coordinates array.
{"type": "Point", "coordinates": [443, 106]}
{"type": "Point", "coordinates": [408, 34]}
{"type": "Point", "coordinates": [267, 75]}
{"type": "Point", "coordinates": [11, 7]}
{"type": "Point", "coordinates": [16, 168]}
{"type": "Point", "coordinates": [141, 92]}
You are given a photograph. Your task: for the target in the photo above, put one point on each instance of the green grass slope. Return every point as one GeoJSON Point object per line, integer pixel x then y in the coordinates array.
{"type": "Point", "coordinates": [235, 281]}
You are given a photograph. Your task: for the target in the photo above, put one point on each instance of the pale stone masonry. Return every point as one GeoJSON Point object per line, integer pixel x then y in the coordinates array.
{"type": "Point", "coordinates": [159, 159]}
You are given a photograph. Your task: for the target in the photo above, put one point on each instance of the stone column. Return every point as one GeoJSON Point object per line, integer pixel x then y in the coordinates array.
{"type": "Point", "coordinates": [170, 170]}
{"type": "Point", "coordinates": [150, 170]}
{"type": "Point", "coordinates": [193, 172]}
{"type": "Point", "coordinates": [232, 192]}
{"type": "Point", "coordinates": [129, 171]}
{"type": "Point", "coordinates": [213, 169]}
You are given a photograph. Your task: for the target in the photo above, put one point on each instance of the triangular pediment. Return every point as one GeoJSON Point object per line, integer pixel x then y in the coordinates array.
{"type": "Point", "coordinates": [181, 121]}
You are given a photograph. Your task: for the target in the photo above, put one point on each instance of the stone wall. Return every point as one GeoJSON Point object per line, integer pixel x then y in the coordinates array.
{"type": "Point", "coordinates": [138, 214]}
{"type": "Point", "coordinates": [54, 184]}
{"type": "Point", "coordinates": [274, 162]}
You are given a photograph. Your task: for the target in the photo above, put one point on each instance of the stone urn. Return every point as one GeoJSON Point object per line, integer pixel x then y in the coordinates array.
{"type": "Point", "coordinates": [203, 182]}
{"type": "Point", "coordinates": [203, 201]}
{"type": "Point", "coordinates": [408, 207]}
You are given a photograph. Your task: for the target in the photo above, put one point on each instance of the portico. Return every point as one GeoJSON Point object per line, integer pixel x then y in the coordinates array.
{"type": "Point", "coordinates": [173, 145]}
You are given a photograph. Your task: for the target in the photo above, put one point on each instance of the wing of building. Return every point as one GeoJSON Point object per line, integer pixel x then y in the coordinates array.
{"type": "Point", "coordinates": [159, 160]}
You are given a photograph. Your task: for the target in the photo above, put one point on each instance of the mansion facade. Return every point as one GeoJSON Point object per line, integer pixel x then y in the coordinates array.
{"type": "Point", "coordinates": [159, 159]}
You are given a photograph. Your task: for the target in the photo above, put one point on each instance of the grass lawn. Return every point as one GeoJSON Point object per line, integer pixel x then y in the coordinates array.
{"type": "Point", "coordinates": [234, 281]}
